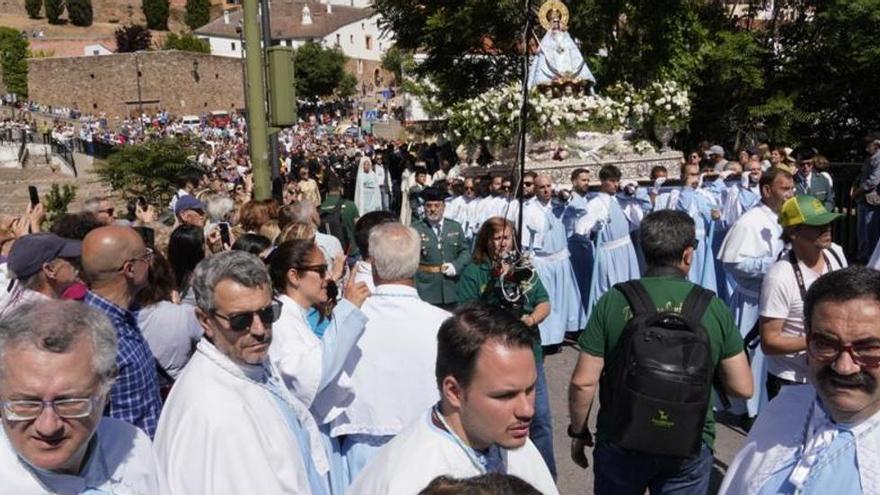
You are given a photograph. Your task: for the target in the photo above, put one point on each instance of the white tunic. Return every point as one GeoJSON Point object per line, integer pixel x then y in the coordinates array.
{"type": "Point", "coordinates": [422, 452]}
{"type": "Point", "coordinates": [123, 463]}
{"type": "Point", "coordinates": [388, 380]}
{"type": "Point", "coordinates": [222, 433]}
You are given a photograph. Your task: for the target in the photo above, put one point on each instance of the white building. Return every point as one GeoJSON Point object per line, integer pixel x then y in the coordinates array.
{"type": "Point", "coordinates": [354, 30]}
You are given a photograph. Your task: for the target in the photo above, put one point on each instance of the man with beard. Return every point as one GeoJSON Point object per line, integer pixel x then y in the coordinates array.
{"type": "Point", "coordinates": [823, 439]}
{"type": "Point", "coordinates": [444, 252]}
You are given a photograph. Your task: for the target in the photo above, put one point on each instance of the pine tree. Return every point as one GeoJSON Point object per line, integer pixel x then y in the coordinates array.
{"type": "Point", "coordinates": [54, 9]}
{"type": "Point", "coordinates": [198, 13]}
{"type": "Point", "coordinates": [33, 8]}
{"type": "Point", "coordinates": [156, 12]}
{"type": "Point", "coordinates": [80, 12]}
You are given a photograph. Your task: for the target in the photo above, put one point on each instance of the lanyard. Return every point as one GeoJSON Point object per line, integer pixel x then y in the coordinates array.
{"type": "Point", "coordinates": [799, 276]}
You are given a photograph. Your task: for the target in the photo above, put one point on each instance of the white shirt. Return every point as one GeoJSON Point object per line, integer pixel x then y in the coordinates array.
{"type": "Point", "coordinates": [363, 272]}
{"type": "Point", "coordinates": [755, 235]}
{"type": "Point", "coordinates": [123, 463]}
{"type": "Point", "coordinates": [172, 331]}
{"type": "Point", "coordinates": [388, 380]}
{"type": "Point", "coordinates": [222, 433]}
{"type": "Point", "coordinates": [598, 210]}
{"type": "Point", "coordinates": [781, 299]}
{"type": "Point", "coordinates": [778, 436]}
{"type": "Point", "coordinates": [422, 452]}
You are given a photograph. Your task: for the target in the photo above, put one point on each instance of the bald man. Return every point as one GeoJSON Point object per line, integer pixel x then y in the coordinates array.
{"type": "Point", "coordinates": [115, 263]}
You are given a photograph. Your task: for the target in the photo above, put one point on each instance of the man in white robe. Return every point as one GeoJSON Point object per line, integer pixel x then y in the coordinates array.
{"type": "Point", "coordinates": [482, 352]}
{"type": "Point", "coordinates": [823, 438]}
{"type": "Point", "coordinates": [57, 361]}
{"type": "Point", "coordinates": [749, 248]}
{"type": "Point", "coordinates": [230, 426]}
{"type": "Point", "coordinates": [388, 380]}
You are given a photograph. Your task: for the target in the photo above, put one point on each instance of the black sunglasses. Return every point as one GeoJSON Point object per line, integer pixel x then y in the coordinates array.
{"type": "Point", "coordinates": [240, 322]}
{"type": "Point", "coordinates": [321, 270]}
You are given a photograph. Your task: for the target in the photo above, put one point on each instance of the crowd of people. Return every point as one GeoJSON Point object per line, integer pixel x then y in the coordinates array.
{"type": "Point", "coordinates": [382, 326]}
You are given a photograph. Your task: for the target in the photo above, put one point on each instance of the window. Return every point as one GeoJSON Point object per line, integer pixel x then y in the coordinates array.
{"type": "Point", "coordinates": [232, 46]}
{"type": "Point", "coordinates": [368, 42]}
{"type": "Point", "coordinates": [338, 39]}
{"type": "Point", "coordinates": [351, 39]}
{"type": "Point", "coordinates": [360, 66]}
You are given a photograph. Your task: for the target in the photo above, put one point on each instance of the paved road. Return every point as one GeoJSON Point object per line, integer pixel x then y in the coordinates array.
{"type": "Point", "coordinates": [574, 480]}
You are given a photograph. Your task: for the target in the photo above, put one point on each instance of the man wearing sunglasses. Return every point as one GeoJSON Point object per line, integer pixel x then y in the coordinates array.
{"type": "Point", "coordinates": [230, 425]}
{"type": "Point", "coordinates": [825, 438]}
{"type": "Point", "coordinates": [57, 364]}
{"type": "Point", "coordinates": [116, 263]}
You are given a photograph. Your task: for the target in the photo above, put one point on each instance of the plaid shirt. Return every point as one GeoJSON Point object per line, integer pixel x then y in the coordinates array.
{"type": "Point", "coordinates": [134, 397]}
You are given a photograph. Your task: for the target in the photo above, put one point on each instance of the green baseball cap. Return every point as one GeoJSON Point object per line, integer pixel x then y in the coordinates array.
{"type": "Point", "coordinates": [805, 210]}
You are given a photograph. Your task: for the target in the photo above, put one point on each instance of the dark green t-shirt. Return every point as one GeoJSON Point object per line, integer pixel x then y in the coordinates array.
{"type": "Point", "coordinates": [472, 286]}
{"type": "Point", "coordinates": [612, 312]}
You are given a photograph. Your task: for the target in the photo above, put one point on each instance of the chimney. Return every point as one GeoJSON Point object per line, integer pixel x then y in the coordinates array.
{"type": "Point", "coordinates": [225, 17]}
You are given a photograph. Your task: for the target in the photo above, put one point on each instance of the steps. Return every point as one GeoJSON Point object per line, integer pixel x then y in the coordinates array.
{"type": "Point", "coordinates": [14, 184]}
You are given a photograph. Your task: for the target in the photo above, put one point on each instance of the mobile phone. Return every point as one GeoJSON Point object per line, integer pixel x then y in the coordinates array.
{"type": "Point", "coordinates": [35, 198]}
{"type": "Point", "coordinates": [224, 233]}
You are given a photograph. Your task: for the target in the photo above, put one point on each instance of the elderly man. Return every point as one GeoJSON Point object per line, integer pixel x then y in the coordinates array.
{"type": "Point", "coordinates": [823, 439]}
{"type": "Point", "coordinates": [57, 363]}
{"type": "Point", "coordinates": [116, 264]}
{"type": "Point", "coordinates": [483, 353]}
{"type": "Point", "coordinates": [230, 426]}
{"type": "Point", "coordinates": [44, 266]}
{"type": "Point", "coordinates": [544, 235]}
{"type": "Point", "coordinates": [397, 350]}
{"type": "Point", "coordinates": [809, 183]}
{"type": "Point", "coordinates": [749, 248]}
{"type": "Point", "coordinates": [103, 209]}
{"type": "Point", "coordinates": [190, 211]}
{"type": "Point", "coordinates": [444, 252]}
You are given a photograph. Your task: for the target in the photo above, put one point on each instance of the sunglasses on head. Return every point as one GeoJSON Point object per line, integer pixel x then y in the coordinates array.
{"type": "Point", "coordinates": [240, 322]}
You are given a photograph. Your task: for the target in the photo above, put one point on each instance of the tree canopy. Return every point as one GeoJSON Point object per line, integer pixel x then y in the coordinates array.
{"type": "Point", "coordinates": [80, 12]}
{"type": "Point", "coordinates": [132, 38]}
{"type": "Point", "coordinates": [148, 169]}
{"type": "Point", "coordinates": [186, 42]}
{"type": "Point", "coordinates": [321, 72]}
{"type": "Point", "coordinates": [156, 12]}
{"type": "Point", "coordinates": [13, 61]}
{"type": "Point", "coordinates": [197, 13]}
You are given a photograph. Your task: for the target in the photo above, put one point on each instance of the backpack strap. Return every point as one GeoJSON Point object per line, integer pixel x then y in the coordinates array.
{"type": "Point", "coordinates": [638, 298]}
{"type": "Point", "coordinates": [696, 303]}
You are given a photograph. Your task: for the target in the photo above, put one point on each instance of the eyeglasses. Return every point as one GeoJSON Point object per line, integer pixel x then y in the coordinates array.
{"type": "Point", "coordinates": [821, 348]}
{"type": "Point", "coordinates": [27, 410]}
{"type": "Point", "coordinates": [321, 270]}
{"type": "Point", "coordinates": [240, 322]}
{"type": "Point", "coordinates": [147, 257]}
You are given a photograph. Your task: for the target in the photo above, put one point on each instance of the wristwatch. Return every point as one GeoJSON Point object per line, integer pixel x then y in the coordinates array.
{"type": "Point", "coordinates": [584, 435]}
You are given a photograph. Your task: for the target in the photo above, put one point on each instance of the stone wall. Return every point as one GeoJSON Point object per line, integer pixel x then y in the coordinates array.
{"type": "Point", "coordinates": [109, 83]}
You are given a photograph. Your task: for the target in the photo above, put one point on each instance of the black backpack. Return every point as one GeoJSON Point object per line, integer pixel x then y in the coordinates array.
{"type": "Point", "coordinates": [331, 223]}
{"type": "Point", "coordinates": [660, 387]}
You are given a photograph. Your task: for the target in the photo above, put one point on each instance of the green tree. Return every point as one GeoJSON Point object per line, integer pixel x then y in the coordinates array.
{"type": "Point", "coordinates": [54, 9]}
{"type": "Point", "coordinates": [13, 61]}
{"type": "Point", "coordinates": [198, 13]}
{"type": "Point", "coordinates": [156, 12]}
{"type": "Point", "coordinates": [33, 8]}
{"type": "Point", "coordinates": [320, 71]}
{"type": "Point", "coordinates": [149, 169]}
{"type": "Point", "coordinates": [133, 38]}
{"type": "Point", "coordinates": [186, 42]}
{"type": "Point", "coordinates": [57, 200]}
{"type": "Point", "coordinates": [394, 60]}
{"type": "Point", "coordinates": [80, 12]}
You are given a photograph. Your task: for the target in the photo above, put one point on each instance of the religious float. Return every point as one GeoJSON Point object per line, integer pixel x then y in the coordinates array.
{"type": "Point", "coordinates": [569, 125]}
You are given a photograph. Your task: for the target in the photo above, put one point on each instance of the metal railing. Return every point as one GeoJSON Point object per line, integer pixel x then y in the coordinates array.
{"type": "Point", "coordinates": [845, 229]}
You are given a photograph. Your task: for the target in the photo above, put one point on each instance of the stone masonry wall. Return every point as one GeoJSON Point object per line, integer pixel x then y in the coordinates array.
{"type": "Point", "coordinates": [109, 83]}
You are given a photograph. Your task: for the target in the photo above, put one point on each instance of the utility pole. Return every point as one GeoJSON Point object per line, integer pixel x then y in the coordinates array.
{"type": "Point", "coordinates": [256, 103]}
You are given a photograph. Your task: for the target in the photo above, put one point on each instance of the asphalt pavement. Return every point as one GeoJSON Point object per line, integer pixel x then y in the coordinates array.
{"type": "Point", "coordinates": [572, 480]}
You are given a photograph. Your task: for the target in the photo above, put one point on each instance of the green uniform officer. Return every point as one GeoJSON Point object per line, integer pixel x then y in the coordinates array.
{"type": "Point", "coordinates": [444, 252]}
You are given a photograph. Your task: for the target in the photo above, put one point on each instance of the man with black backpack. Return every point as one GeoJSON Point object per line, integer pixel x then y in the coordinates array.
{"type": "Point", "coordinates": [656, 346]}
{"type": "Point", "coordinates": [338, 216]}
